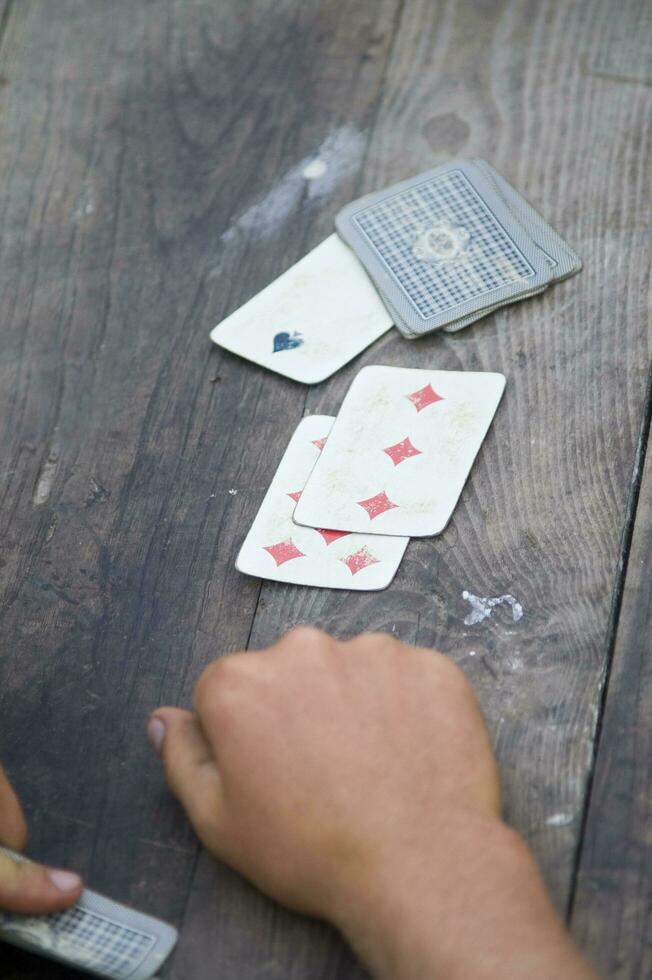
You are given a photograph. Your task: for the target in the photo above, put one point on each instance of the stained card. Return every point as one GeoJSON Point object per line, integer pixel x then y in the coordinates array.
{"type": "Point", "coordinates": [277, 548]}
{"type": "Point", "coordinates": [400, 451]}
{"type": "Point", "coordinates": [443, 246]}
{"type": "Point", "coordinates": [310, 321]}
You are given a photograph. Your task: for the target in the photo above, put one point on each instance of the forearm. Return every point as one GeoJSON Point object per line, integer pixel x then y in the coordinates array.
{"type": "Point", "coordinates": [472, 906]}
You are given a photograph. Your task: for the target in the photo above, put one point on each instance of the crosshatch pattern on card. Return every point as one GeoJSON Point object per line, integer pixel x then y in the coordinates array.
{"type": "Point", "coordinates": [487, 257]}
{"type": "Point", "coordinates": [86, 938]}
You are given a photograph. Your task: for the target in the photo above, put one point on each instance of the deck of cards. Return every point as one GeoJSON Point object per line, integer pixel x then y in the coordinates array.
{"type": "Point", "coordinates": [434, 252]}
{"type": "Point", "coordinates": [350, 491]}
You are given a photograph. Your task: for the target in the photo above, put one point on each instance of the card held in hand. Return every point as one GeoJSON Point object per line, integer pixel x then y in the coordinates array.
{"type": "Point", "coordinates": [443, 246]}
{"type": "Point", "coordinates": [400, 451]}
{"type": "Point", "coordinates": [277, 548]}
{"type": "Point", "coordinates": [310, 321]}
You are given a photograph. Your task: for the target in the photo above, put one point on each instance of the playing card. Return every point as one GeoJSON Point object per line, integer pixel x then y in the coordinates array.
{"type": "Point", "coordinates": [311, 320]}
{"type": "Point", "coordinates": [558, 253]}
{"type": "Point", "coordinates": [277, 548]}
{"type": "Point", "coordinates": [443, 246]}
{"type": "Point", "coordinates": [400, 451]}
{"type": "Point", "coordinates": [560, 257]}
{"type": "Point", "coordinates": [464, 321]}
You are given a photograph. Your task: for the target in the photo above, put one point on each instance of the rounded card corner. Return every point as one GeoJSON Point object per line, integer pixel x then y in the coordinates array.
{"type": "Point", "coordinates": [314, 379]}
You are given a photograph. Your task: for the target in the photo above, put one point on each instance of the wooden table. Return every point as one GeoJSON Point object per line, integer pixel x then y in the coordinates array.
{"type": "Point", "coordinates": [152, 159]}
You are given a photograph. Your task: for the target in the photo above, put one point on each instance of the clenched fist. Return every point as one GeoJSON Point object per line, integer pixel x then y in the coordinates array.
{"type": "Point", "coordinates": [355, 781]}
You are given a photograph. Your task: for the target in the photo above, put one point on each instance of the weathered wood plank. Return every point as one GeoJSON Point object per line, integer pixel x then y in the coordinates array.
{"type": "Point", "coordinates": [151, 164]}
{"type": "Point", "coordinates": [152, 159]}
{"type": "Point", "coordinates": [623, 44]}
{"type": "Point", "coordinates": [612, 907]}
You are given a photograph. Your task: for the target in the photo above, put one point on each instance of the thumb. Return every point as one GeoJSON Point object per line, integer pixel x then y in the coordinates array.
{"type": "Point", "coordinates": [33, 889]}
{"type": "Point", "coordinates": [190, 770]}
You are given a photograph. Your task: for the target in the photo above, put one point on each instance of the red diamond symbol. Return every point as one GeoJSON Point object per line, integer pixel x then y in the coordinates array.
{"type": "Point", "coordinates": [284, 551]}
{"type": "Point", "coordinates": [377, 505]}
{"type": "Point", "coordinates": [319, 443]}
{"type": "Point", "coordinates": [402, 450]}
{"type": "Point", "coordinates": [424, 397]}
{"type": "Point", "coordinates": [330, 536]}
{"type": "Point", "coordinates": [359, 560]}
{"type": "Point", "coordinates": [295, 496]}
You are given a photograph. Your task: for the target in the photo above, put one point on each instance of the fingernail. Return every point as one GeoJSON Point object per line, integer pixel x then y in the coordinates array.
{"type": "Point", "coordinates": [155, 733]}
{"type": "Point", "coordinates": [65, 881]}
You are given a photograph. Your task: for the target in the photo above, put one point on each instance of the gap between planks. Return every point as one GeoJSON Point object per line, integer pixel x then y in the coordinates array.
{"type": "Point", "coordinates": [612, 627]}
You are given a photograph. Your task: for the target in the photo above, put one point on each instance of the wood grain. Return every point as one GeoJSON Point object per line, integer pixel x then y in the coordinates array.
{"type": "Point", "coordinates": [622, 51]}
{"type": "Point", "coordinates": [613, 902]}
{"type": "Point", "coordinates": [151, 158]}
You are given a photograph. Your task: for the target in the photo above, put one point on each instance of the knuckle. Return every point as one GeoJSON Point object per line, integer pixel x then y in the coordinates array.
{"type": "Point", "coordinates": [219, 687]}
{"type": "Point", "coordinates": [214, 678]}
{"type": "Point", "coordinates": [377, 642]}
{"type": "Point", "coordinates": [452, 678]}
{"type": "Point", "coordinates": [304, 642]}
{"type": "Point", "coordinates": [305, 636]}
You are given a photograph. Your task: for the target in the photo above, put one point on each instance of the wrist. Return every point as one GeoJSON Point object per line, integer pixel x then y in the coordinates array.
{"type": "Point", "coordinates": [462, 900]}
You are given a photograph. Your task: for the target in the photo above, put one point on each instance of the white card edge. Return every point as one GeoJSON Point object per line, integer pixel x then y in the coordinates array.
{"type": "Point", "coordinates": [316, 585]}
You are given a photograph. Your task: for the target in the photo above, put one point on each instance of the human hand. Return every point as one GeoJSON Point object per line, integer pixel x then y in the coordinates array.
{"type": "Point", "coordinates": [27, 887]}
{"type": "Point", "coordinates": [355, 782]}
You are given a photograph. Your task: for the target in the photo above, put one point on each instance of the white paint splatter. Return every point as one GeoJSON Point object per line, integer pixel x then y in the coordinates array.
{"type": "Point", "coordinates": [85, 205]}
{"type": "Point", "coordinates": [315, 169]}
{"type": "Point", "coordinates": [560, 820]}
{"type": "Point", "coordinates": [338, 156]}
{"type": "Point", "coordinates": [483, 608]}
{"type": "Point", "coordinates": [45, 479]}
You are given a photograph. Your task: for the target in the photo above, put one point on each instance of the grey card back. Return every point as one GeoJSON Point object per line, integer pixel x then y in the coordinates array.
{"type": "Point", "coordinates": [443, 246]}
{"type": "Point", "coordinates": [562, 258]}
{"type": "Point", "coordinates": [456, 325]}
